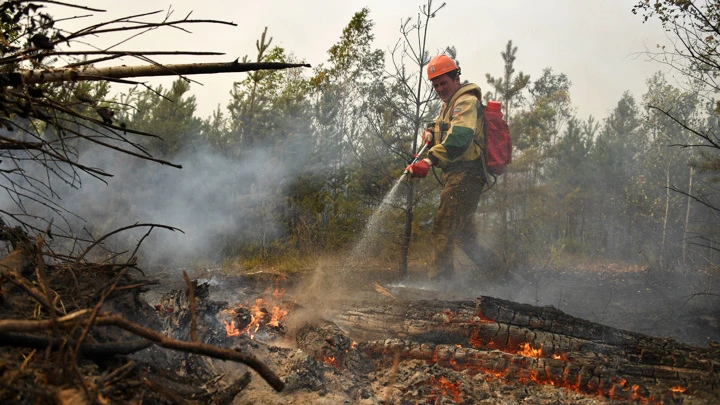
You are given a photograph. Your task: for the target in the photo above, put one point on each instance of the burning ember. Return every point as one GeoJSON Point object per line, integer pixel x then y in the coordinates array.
{"type": "Point", "coordinates": [528, 351]}
{"type": "Point", "coordinates": [444, 387]}
{"type": "Point", "coordinates": [255, 319]}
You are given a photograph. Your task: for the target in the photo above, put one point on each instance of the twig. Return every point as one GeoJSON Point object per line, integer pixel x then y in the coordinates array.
{"type": "Point", "coordinates": [116, 375]}
{"type": "Point", "coordinates": [95, 243]}
{"type": "Point", "coordinates": [95, 311]}
{"type": "Point", "coordinates": [26, 325]}
{"type": "Point", "coordinates": [60, 3]}
{"type": "Point", "coordinates": [166, 393]}
{"type": "Point", "coordinates": [26, 285]}
{"type": "Point", "coordinates": [42, 280]}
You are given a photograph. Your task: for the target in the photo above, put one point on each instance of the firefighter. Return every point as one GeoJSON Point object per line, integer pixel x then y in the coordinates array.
{"type": "Point", "coordinates": [454, 141]}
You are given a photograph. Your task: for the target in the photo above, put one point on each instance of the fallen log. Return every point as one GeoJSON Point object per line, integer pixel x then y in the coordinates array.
{"type": "Point", "coordinates": [520, 342]}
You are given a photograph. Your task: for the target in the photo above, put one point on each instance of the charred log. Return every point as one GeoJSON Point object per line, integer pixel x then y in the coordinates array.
{"type": "Point", "coordinates": [519, 342]}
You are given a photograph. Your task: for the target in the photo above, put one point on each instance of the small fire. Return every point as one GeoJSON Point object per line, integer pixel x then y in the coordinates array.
{"type": "Point", "coordinates": [250, 321]}
{"type": "Point", "coordinates": [528, 351]}
{"type": "Point", "coordinates": [447, 387]}
{"type": "Point", "coordinates": [231, 329]}
{"type": "Point", "coordinates": [331, 360]}
{"type": "Point", "coordinates": [678, 389]}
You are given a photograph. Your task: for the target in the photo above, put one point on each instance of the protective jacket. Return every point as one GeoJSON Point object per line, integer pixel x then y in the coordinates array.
{"type": "Point", "coordinates": [458, 125]}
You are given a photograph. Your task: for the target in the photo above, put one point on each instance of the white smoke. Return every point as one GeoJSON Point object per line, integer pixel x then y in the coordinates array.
{"type": "Point", "coordinates": [211, 199]}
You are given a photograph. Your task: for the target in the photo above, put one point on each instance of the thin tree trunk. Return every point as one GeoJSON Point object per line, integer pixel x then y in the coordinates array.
{"type": "Point", "coordinates": [667, 210]}
{"type": "Point", "coordinates": [687, 218]}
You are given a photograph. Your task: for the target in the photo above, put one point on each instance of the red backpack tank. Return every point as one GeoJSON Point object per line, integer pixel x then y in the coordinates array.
{"type": "Point", "coordinates": [498, 145]}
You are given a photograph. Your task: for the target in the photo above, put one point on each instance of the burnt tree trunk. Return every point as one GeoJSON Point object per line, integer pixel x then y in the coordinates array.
{"type": "Point", "coordinates": [522, 343]}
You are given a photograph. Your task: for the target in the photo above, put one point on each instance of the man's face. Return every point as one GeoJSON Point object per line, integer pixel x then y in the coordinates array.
{"type": "Point", "coordinates": [446, 87]}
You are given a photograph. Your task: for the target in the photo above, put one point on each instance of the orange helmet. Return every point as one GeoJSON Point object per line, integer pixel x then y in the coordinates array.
{"type": "Point", "coordinates": [439, 65]}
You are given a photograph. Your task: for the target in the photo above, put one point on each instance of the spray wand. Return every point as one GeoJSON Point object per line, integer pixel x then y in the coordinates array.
{"type": "Point", "coordinates": [417, 157]}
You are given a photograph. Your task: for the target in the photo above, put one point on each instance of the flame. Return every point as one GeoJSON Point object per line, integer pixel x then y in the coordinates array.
{"type": "Point", "coordinates": [276, 315]}
{"type": "Point", "coordinates": [230, 328]}
{"type": "Point", "coordinates": [278, 293]}
{"type": "Point", "coordinates": [258, 315]}
{"type": "Point", "coordinates": [447, 387]}
{"type": "Point", "coordinates": [678, 389]}
{"type": "Point", "coordinates": [528, 351]}
{"type": "Point", "coordinates": [331, 360]}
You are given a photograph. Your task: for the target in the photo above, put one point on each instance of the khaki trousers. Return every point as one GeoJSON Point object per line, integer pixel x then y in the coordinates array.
{"type": "Point", "coordinates": [454, 223]}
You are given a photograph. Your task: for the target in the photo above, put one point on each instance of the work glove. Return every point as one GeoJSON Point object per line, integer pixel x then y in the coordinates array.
{"type": "Point", "coordinates": [420, 168]}
{"type": "Point", "coordinates": [428, 137]}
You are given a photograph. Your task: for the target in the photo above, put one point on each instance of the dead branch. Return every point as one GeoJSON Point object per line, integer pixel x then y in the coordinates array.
{"type": "Point", "coordinates": [226, 397]}
{"type": "Point", "coordinates": [95, 311]}
{"type": "Point", "coordinates": [706, 137]}
{"type": "Point", "coordinates": [27, 325]}
{"type": "Point", "coordinates": [95, 243]}
{"type": "Point", "coordinates": [86, 349]}
{"type": "Point", "coordinates": [116, 72]}
{"type": "Point", "coordinates": [105, 319]}
{"type": "Point", "coordinates": [61, 3]}
{"type": "Point", "coordinates": [193, 347]}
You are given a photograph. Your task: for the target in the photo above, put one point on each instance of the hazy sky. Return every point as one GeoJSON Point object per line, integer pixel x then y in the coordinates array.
{"type": "Point", "coordinates": [598, 44]}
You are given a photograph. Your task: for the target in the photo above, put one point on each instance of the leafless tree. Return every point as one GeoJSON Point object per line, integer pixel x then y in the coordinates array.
{"type": "Point", "coordinates": [49, 111]}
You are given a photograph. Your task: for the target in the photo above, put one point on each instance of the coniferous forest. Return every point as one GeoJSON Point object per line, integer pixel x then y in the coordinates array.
{"type": "Point", "coordinates": [297, 161]}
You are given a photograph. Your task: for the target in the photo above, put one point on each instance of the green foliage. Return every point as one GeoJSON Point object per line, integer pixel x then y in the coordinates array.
{"type": "Point", "coordinates": [509, 87]}
{"type": "Point", "coordinates": [166, 113]}
{"type": "Point", "coordinates": [253, 119]}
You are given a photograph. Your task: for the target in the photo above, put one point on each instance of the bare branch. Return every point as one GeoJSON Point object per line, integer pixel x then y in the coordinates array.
{"type": "Point", "coordinates": [116, 72]}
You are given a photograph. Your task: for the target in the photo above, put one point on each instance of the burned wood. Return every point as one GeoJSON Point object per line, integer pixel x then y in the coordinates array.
{"type": "Point", "coordinates": [86, 349]}
{"type": "Point", "coordinates": [191, 299]}
{"type": "Point", "coordinates": [519, 342]}
{"type": "Point", "coordinates": [166, 393]}
{"type": "Point", "coordinates": [327, 343]}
